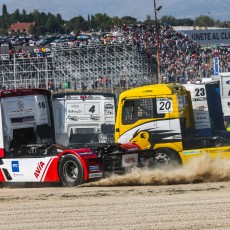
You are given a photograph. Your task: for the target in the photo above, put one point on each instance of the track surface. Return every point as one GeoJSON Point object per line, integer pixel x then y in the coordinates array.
{"type": "Point", "coordinates": [190, 206]}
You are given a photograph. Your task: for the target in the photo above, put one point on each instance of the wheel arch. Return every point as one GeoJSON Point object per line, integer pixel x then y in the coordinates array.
{"type": "Point", "coordinates": [82, 161]}
{"type": "Point", "coordinates": [171, 150]}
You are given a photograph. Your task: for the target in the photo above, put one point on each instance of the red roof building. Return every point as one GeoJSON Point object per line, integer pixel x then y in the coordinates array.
{"type": "Point", "coordinates": [18, 27]}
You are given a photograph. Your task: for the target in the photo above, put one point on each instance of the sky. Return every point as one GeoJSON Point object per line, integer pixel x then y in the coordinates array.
{"type": "Point", "coordinates": [139, 9]}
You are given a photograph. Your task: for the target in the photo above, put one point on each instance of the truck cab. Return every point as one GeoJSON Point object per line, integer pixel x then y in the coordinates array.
{"type": "Point", "coordinates": [25, 119]}
{"type": "Point", "coordinates": [161, 117]}
{"type": "Point", "coordinates": [82, 118]}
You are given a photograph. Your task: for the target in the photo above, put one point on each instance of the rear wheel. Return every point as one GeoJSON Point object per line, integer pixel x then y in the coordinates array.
{"type": "Point", "coordinates": [166, 158]}
{"type": "Point", "coordinates": [70, 171]}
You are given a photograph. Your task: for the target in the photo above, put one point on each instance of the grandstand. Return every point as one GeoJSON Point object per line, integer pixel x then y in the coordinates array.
{"type": "Point", "coordinates": [101, 67]}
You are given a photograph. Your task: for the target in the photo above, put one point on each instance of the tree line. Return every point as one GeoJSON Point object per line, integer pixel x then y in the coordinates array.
{"type": "Point", "coordinates": [48, 23]}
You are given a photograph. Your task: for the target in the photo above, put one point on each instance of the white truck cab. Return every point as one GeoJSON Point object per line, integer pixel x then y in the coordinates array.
{"type": "Point", "coordinates": [25, 118]}
{"type": "Point", "coordinates": [82, 118]}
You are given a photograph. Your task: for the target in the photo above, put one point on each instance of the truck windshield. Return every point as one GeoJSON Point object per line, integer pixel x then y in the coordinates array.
{"type": "Point", "coordinates": [134, 110]}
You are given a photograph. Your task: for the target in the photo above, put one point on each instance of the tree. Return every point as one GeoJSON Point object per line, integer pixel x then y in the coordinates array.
{"type": "Point", "coordinates": [185, 22]}
{"type": "Point", "coordinates": [59, 19]}
{"type": "Point", "coordinates": [52, 24]}
{"type": "Point", "coordinates": [128, 20]}
{"type": "Point", "coordinates": [222, 24]}
{"type": "Point", "coordinates": [77, 24]}
{"type": "Point", "coordinates": [4, 17]}
{"type": "Point", "coordinates": [102, 22]}
{"type": "Point", "coordinates": [116, 21]}
{"type": "Point", "coordinates": [16, 16]}
{"type": "Point", "coordinates": [148, 20]}
{"type": "Point", "coordinates": [204, 20]}
{"type": "Point", "coordinates": [168, 20]}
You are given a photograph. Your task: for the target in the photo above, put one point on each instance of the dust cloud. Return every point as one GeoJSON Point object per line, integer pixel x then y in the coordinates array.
{"type": "Point", "coordinates": [199, 170]}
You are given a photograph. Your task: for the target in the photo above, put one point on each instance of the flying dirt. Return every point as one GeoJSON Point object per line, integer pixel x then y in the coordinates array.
{"type": "Point", "coordinates": [199, 170]}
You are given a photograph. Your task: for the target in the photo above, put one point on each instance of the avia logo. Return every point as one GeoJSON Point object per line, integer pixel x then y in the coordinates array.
{"type": "Point", "coordinates": [39, 169]}
{"type": "Point", "coordinates": [228, 82]}
{"type": "Point", "coordinates": [130, 160]}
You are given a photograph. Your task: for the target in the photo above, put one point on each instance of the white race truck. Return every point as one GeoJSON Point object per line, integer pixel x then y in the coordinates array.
{"type": "Point", "coordinates": [211, 106]}
{"type": "Point", "coordinates": [82, 118]}
{"type": "Point", "coordinates": [200, 109]}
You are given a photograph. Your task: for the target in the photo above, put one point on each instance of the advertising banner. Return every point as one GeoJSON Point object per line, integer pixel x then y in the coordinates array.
{"type": "Point", "coordinates": [209, 37]}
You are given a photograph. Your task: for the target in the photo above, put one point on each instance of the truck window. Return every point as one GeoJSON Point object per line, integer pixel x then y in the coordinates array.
{"type": "Point", "coordinates": [134, 110]}
{"type": "Point", "coordinates": [128, 112]}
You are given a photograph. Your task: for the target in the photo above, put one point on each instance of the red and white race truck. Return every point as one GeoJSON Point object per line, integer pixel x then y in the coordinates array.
{"type": "Point", "coordinates": [29, 152]}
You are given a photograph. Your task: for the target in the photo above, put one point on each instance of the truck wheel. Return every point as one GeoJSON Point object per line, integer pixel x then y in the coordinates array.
{"type": "Point", "coordinates": [70, 171]}
{"type": "Point", "coordinates": [166, 158]}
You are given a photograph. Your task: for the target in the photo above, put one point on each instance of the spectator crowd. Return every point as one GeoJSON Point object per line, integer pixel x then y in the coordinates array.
{"type": "Point", "coordinates": [181, 58]}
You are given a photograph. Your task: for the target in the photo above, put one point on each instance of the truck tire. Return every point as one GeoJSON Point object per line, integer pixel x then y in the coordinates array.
{"type": "Point", "coordinates": [70, 171]}
{"type": "Point", "coordinates": [165, 157]}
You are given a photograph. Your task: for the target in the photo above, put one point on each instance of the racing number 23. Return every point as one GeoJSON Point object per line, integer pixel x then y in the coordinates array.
{"type": "Point", "coordinates": [164, 105]}
{"type": "Point", "coordinates": [200, 92]}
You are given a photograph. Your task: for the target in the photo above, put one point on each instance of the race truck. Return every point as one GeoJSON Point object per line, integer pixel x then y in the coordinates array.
{"type": "Point", "coordinates": [30, 153]}
{"type": "Point", "coordinates": [161, 117]}
{"type": "Point", "coordinates": [85, 117]}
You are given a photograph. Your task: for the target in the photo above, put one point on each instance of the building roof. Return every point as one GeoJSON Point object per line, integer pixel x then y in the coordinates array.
{"type": "Point", "coordinates": [20, 25]}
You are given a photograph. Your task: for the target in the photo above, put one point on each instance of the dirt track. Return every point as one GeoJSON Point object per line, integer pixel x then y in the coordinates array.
{"type": "Point", "coordinates": [191, 206]}
{"type": "Point", "coordinates": [192, 197]}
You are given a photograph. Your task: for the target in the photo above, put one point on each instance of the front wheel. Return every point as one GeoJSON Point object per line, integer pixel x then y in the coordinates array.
{"type": "Point", "coordinates": [70, 171]}
{"type": "Point", "coordinates": [165, 158]}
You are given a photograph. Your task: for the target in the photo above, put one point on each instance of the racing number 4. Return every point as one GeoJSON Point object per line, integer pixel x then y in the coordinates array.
{"type": "Point", "coordinates": [92, 109]}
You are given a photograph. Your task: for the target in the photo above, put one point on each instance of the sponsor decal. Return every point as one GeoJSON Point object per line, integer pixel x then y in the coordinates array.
{"type": "Point", "coordinates": [22, 119]}
{"type": "Point", "coordinates": [95, 175]}
{"type": "Point", "coordinates": [21, 105]}
{"type": "Point", "coordinates": [191, 152]}
{"type": "Point", "coordinates": [129, 160]}
{"type": "Point", "coordinates": [201, 108]}
{"type": "Point", "coordinates": [94, 118]}
{"type": "Point", "coordinates": [74, 111]}
{"type": "Point", "coordinates": [85, 153]}
{"type": "Point", "coordinates": [72, 118]}
{"type": "Point", "coordinates": [84, 118]}
{"type": "Point", "coordinates": [18, 174]}
{"type": "Point", "coordinates": [108, 106]}
{"type": "Point", "coordinates": [15, 166]}
{"type": "Point", "coordinates": [39, 169]}
{"type": "Point", "coordinates": [74, 106]}
{"type": "Point", "coordinates": [200, 99]}
{"type": "Point", "coordinates": [94, 168]}
{"type": "Point", "coordinates": [6, 92]}
{"type": "Point", "coordinates": [29, 110]}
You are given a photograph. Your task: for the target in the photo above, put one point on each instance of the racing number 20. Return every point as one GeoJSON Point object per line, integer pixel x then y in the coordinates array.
{"type": "Point", "coordinates": [164, 105]}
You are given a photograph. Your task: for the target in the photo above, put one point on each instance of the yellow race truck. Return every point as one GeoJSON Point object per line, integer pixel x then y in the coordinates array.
{"type": "Point", "coordinates": [161, 117]}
